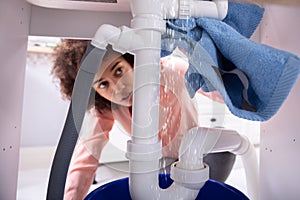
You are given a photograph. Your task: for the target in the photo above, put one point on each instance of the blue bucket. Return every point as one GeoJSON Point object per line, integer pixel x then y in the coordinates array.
{"type": "Point", "coordinates": [119, 189]}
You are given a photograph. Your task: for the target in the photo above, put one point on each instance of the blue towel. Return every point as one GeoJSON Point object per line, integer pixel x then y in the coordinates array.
{"type": "Point", "coordinates": [253, 79]}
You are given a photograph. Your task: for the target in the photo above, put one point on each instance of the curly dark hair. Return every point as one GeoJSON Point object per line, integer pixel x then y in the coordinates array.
{"type": "Point", "coordinates": [67, 59]}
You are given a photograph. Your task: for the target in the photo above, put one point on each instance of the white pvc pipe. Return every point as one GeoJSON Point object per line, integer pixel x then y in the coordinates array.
{"type": "Point", "coordinates": [106, 34]}
{"type": "Point", "coordinates": [192, 149]}
{"type": "Point", "coordinates": [143, 162]}
{"type": "Point", "coordinates": [145, 110]}
{"type": "Point", "coordinates": [215, 9]}
{"type": "Point", "coordinates": [199, 141]}
{"type": "Point", "coordinates": [144, 184]}
{"type": "Point", "coordinates": [240, 145]}
{"type": "Point", "coordinates": [173, 9]}
{"type": "Point", "coordinates": [148, 24]}
{"type": "Point", "coordinates": [250, 164]}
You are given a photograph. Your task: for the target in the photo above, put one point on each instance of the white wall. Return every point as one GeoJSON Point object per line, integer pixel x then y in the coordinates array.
{"type": "Point", "coordinates": [14, 29]}
{"type": "Point", "coordinates": [280, 149]}
{"type": "Point", "coordinates": [44, 110]}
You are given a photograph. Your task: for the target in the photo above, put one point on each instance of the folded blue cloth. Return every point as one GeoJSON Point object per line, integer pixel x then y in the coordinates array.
{"type": "Point", "coordinates": [253, 79]}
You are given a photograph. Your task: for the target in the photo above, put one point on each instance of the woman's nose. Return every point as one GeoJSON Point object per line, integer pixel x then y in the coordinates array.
{"type": "Point", "coordinates": [120, 86]}
{"type": "Point", "coordinates": [117, 86]}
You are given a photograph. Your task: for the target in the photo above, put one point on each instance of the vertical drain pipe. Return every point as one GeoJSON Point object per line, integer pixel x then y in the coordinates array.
{"type": "Point", "coordinates": [144, 148]}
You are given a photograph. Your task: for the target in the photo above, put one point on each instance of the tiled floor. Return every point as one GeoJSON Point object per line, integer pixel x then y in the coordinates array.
{"type": "Point", "coordinates": [32, 184]}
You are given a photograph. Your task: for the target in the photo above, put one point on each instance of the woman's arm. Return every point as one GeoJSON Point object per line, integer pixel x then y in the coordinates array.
{"type": "Point", "coordinates": [85, 160]}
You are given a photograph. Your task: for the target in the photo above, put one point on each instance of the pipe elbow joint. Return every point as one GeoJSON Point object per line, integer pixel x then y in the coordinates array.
{"type": "Point", "coordinates": [106, 34]}
{"type": "Point", "coordinates": [244, 146]}
{"type": "Point", "coordinates": [122, 39]}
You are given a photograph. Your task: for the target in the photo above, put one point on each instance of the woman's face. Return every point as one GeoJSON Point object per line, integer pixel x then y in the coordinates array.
{"type": "Point", "coordinates": [115, 83]}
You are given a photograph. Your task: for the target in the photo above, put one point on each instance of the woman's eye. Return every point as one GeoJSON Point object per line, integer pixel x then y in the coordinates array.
{"type": "Point", "coordinates": [103, 85]}
{"type": "Point", "coordinates": [119, 71]}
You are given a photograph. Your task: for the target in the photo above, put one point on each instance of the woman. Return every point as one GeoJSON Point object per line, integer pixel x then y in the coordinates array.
{"type": "Point", "coordinates": [113, 86]}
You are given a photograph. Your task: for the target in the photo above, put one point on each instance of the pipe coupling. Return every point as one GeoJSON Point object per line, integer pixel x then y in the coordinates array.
{"type": "Point", "coordinates": [192, 179]}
